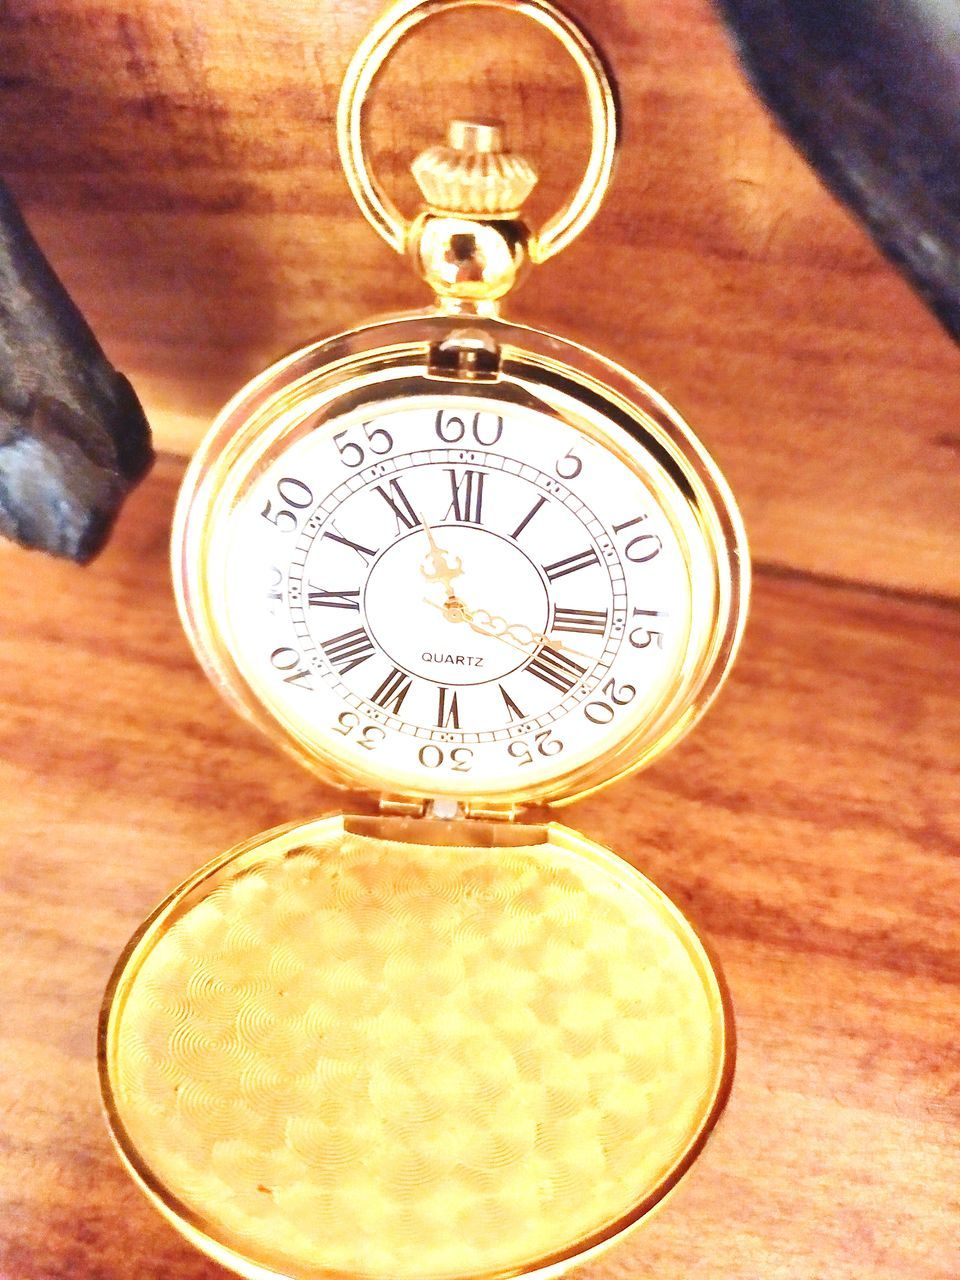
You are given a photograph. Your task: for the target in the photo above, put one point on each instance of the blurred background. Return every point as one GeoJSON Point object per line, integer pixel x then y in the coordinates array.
{"type": "Point", "coordinates": [177, 163]}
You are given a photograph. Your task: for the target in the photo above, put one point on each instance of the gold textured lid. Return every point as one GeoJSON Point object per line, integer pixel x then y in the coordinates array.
{"type": "Point", "coordinates": [335, 1054]}
{"type": "Point", "coordinates": [472, 173]}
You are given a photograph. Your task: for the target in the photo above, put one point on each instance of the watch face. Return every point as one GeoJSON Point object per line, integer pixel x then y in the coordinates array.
{"type": "Point", "coordinates": [485, 595]}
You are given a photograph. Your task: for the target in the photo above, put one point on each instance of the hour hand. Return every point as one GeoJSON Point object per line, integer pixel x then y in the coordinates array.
{"type": "Point", "coordinates": [443, 567]}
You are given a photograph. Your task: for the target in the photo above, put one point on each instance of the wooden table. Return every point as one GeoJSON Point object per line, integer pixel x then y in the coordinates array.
{"type": "Point", "coordinates": [177, 162]}
{"type": "Point", "coordinates": [811, 825]}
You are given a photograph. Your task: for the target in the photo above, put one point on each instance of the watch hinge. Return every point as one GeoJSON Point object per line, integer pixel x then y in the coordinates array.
{"type": "Point", "coordinates": [446, 809]}
{"type": "Point", "coordinates": [491, 812]}
{"type": "Point", "coordinates": [403, 806]}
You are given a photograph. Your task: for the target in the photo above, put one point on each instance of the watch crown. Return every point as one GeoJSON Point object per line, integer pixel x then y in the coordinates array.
{"type": "Point", "coordinates": [472, 174]}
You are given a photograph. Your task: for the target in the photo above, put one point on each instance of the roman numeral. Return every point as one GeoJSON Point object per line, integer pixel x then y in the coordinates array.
{"type": "Point", "coordinates": [587, 622]}
{"type": "Point", "coordinates": [448, 713]}
{"type": "Point", "coordinates": [317, 596]}
{"type": "Point", "coordinates": [392, 692]}
{"type": "Point", "coordinates": [399, 504]}
{"type": "Point", "coordinates": [513, 711]}
{"type": "Point", "coordinates": [466, 496]}
{"type": "Point", "coordinates": [528, 517]}
{"type": "Point", "coordinates": [558, 669]}
{"type": "Point", "coordinates": [366, 554]}
{"type": "Point", "coordinates": [349, 650]}
{"type": "Point", "coordinates": [560, 568]}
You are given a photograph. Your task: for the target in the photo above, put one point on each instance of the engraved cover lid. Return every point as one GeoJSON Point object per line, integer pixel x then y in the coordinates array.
{"type": "Point", "coordinates": [332, 1053]}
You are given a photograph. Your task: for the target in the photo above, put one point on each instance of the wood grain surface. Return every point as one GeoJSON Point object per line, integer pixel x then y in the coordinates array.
{"type": "Point", "coordinates": [811, 825]}
{"type": "Point", "coordinates": [178, 163]}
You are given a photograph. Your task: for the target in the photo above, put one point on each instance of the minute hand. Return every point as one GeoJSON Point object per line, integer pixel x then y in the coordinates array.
{"type": "Point", "coordinates": [488, 624]}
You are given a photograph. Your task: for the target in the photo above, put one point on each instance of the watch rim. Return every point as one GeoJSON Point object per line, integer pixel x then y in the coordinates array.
{"type": "Point", "coordinates": [396, 350]}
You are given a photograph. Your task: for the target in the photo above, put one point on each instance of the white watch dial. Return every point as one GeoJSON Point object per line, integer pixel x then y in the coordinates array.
{"type": "Point", "coordinates": [458, 594]}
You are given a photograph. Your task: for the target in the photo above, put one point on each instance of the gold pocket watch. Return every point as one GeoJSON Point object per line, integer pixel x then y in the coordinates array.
{"type": "Point", "coordinates": [467, 571]}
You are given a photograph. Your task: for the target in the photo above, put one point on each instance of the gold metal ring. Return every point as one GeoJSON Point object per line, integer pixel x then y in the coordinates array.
{"type": "Point", "coordinates": [383, 39]}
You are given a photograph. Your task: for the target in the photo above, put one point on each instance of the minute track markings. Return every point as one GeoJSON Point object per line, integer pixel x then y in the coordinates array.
{"type": "Point", "coordinates": [417, 459]}
{"type": "Point", "coordinates": [351, 526]}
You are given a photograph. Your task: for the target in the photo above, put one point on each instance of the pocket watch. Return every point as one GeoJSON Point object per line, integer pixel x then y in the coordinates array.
{"type": "Point", "coordinates": [468, 571]}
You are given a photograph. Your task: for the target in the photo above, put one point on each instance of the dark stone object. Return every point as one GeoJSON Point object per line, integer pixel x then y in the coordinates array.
{"type": "Point", "coordinates": [869, 91]}
{"type": "Point", "coordinates": [73, 437]}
